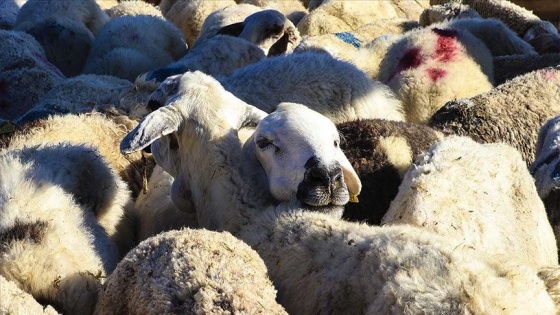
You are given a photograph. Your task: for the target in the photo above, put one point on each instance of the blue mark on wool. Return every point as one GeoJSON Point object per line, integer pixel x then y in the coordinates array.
{"type": "Point", "coordinates": [349, 38]}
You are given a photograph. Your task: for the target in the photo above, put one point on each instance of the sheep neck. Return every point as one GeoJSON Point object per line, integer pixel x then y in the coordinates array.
{"type": "Point", "coordinates": [220, 191]}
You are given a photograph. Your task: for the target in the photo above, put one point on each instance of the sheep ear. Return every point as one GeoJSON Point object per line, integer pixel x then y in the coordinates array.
{"type": "Point", "coordinates": [232, 30]}
{"type": "Point", "coordinates": [350, 177]}
{"type": "Point", "coordinates": [154, 126]}
{"type": "Point", "coordinates": [251, 117]}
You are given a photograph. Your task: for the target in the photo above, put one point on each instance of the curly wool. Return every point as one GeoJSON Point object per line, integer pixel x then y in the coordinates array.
{"type": "Point", "coordinates": [512, 112]}
{"type": "Point", "coordinates": [190, 272]}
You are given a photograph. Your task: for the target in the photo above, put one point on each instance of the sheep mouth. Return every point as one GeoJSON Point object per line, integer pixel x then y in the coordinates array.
{"type": "Point", "coordinates": [321, 195]}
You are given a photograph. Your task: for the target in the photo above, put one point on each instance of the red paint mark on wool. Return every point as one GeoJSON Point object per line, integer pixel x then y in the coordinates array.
{"type": "Point", "coordinates": [435, 74]}
{"type": "Point", "coordinates": [446, 45]}
{"type": "Point", "coordinates": [410, 60]}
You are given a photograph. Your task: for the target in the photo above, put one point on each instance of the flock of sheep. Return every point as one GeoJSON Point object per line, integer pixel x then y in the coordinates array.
{"type": "Point", "coordinates": [278, 157]}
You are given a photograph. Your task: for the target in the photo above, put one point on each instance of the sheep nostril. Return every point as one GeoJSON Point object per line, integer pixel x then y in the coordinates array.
{"type": "Point", "coordinates": [318, 176]}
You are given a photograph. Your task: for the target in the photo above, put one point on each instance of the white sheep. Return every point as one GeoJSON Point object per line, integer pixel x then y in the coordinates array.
{"type": "Point", "coordinates": [87, 12]}
{"type": "Point", "coordinates": [332, 87]}
{"type": "Point", "coordinates": [545, 170]}
{"type": "Point", "coordinates": [495, 35]}
{"type": "Point", "coordinates": [9, 10]}
{"type": "Point", "coordinates": [225, 16]}
{"type": "Point", "coordinates": [320, 264]}
{"type": "Point", "coordinates": [268, 29]}
{"type": "Point", "coordinates": [294, 10]}
{"type": "Point", "coordinates": [344, 16]}
{"type": "Point", "coordinates": [189, 15]}
{"type": "Point", "coordinates": [512, 112]}
{"type": "Point", "coordinates": [477, 195]}
{"type": "Point", "coordinates": [219, 55]}
{"type": "Point", "coordinates": [76, 95]}
{"type": "Point", "coordinates": [15, 301]}
{"type": "Point", "coordinates": [110, 195]}
{"type": "Point", "coordinates": [509, 67]}
{"type": "Point", "coordinates": [426, 68]}
{"type": "Point", "coordinates": [329, 180]}
{"type": "Point", "coordinates": [541, 34]}
{"type": "Point", "coordinates": [52, 245]}
{"type": "Point", "coordinates": [190, 272]}
{"type": "Point", "coordinates": [65, 29]}
{"type": "Point", "coordinates": [265, 30]}
{"type": "Point", "coordinates": [133, 7]}
{"type": "Point", "coordinates": [131, 45]}
{"type": "Point", "coordinates": [353, 48]}
{"type": "Point", "coordinates": [25, 73]}
{"type": "Point", "coordinates": [445, 12]}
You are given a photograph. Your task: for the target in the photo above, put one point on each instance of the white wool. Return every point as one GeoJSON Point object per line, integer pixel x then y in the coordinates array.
{"type": "Point", "coordinates": [320, 264]}
{"type": "Point", "coordinates": [479, 196]}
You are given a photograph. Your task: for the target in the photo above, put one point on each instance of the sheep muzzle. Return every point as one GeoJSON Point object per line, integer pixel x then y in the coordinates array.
{"type": "Point", "coordinates": [322, 185]}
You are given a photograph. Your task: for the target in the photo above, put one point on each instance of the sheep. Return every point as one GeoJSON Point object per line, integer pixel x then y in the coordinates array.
{"type": "Point", "coordinates": [428, 67]}
{"type": "Point", "coordinates": [25, 73]}
{"type": "Point", "coordinates": [477, 195]}
{"type": "Point", "coordinates": [332, 87]}
{"type": "Point", "coordinates": [131, 45]}
{"type": "Point", "coordinates": [445, 12]}
{"type": "Point", "coordinates": [65, 29]}
{"type": "Point", "coordinates": [509, 67]}
{"type": "Point", "coordinates": [545, 171]}
{"type": "Point", "coordinates": [15, 301]}
{"type": "Point", "coordinates": [329, 177]}
{"type": "Point", "coordinates": [344, 16]}
{"type": "Point", "coordinates": [512, 112]}
{"type": "Point", "coordinates": [8, 13]}
{"type": "Point", "coordinates": [223, 17]}
{"type": "Point", "coordinates": [268, 29]}
{"type": "Point", "coordinates": [352, 48]}
{"type": "Point", "coordinates": [110, 195]}
{"type": "Point", "coordinates": [318, 263]}
{"type": "Point", "coordinates": [294, 10]}
{"type": "Point", "coordinates": [134, 7]}
{"type": "Point", "coordinates": [495, 35]}
{"type": "Point", "coordinates": [523, 22]}
{"type": "Point", "coordinates": [77, 95]}
{"type": "Point", "coordinates": [86, 12]}
{"type": "Point", "coordinates": [155, 212]}
{"type": "Point", "coordinates": [403, 8]}
{"type": "Point", "coordinates": [190, 272]}
{"type": "Point", "coordinates": [189, 15]}
{"type": "Point", "coordinates": [381, 151]}
{"type": "Point", "coordinates": [219, 55]}
{"type": "Point", "coordinates": [52, 246]}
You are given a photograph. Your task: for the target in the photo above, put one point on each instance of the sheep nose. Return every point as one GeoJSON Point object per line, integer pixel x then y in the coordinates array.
{"type": "Point", "coordinates": [320, 174]}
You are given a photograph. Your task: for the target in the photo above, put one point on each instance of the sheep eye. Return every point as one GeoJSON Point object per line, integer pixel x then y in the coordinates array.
{"type": "Point", "coordinates": [336, 143]}
{"type": "Point", "coordinates": [265, 143]}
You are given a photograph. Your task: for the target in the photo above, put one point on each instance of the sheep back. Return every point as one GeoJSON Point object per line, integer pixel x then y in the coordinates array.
{"type": "Point", "coordinates": [190, 271]}
{"type": "Point", "coordinates": [15, 301]}
{"type": "Point", "coordinates": [477, 195]}
{"type": "Point", "coordinates": [427, 67]}
{"type": "Point", "coordinates": [512, 112]}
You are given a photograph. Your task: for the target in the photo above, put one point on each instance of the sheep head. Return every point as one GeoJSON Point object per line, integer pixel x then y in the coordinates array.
{"type": "Point", "coordinates": [268, 29]}
{"type": "Point", "coordinates": [195, 105]}
{"type": "Point", "coordinates": [299, 150]}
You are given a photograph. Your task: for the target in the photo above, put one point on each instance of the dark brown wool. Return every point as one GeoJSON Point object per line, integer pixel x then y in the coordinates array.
{"type": "Point", "coordinates": [380, 179]}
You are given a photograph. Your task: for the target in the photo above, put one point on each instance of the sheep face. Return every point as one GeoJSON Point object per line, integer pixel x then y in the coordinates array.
{"type": "Point", "coordinates": [299, 151]}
